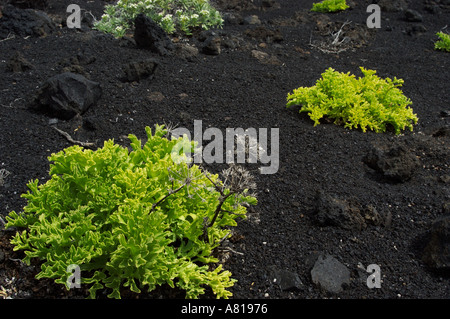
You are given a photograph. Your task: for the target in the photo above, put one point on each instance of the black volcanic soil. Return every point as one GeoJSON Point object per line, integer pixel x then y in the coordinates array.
{"type": "Point", "coordinates": [234, 89]}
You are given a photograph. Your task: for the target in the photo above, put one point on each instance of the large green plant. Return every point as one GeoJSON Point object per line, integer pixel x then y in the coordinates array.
{"type": "Point", "coordinates": [135, 219]}
{"type": "Point", "coordinates": [169, 14]}
{"type": "Point", "coordinates": [330, 6]}
{"type": "Point", "coordinates": [368, 102]}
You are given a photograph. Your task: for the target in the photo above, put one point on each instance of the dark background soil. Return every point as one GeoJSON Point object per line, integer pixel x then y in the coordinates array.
{"type": "Point", "coordinates": [234, 89]}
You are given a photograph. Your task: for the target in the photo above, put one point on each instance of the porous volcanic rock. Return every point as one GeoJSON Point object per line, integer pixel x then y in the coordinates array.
{"type": "Point", "coordinates": [437, 251]}
{"type": "Point", "coordinates": [149, 35]}
{"type": "Point", "coordinates": [67, 94]}
{"type": "Point", "coordinates": [395, 162]}
{"type": "Point", "coordinates": [25, 22]}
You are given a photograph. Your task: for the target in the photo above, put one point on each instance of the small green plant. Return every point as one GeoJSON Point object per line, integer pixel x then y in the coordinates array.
{"type": "Point", "coordinates": [169, 14]}
{"type": "Point", "coordinates": [136, 219]}
{"type": "Point", "coordinates": [330, 6]}
{"type": "Point", "coordinates": [444, 43]}
{"type": "Point", "coordinates": [368, 102]}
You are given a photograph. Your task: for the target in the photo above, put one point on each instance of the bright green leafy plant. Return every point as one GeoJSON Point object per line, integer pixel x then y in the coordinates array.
{"type": "Point", "coordinates": [330, 6]}
{"type": "Point", "coordinates": [185, 15]}
{"type": "Point", "coordinates": [444, 43]}
{"type": "Point", "coordinates": [136, 219]}
{"type": "Point", "coordinates": [368, 102]}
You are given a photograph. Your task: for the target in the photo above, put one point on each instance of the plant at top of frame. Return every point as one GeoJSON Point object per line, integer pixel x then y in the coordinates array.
{"type": "Point", "coordinates": [330, 6]}
{"type": "Point", "coordinates": [171, 15]}
{"type": "Point", "coordinates": [137, 219]}
{"type": "Point", "coordinates": [368, 102]}
{"type": "Point", "coordinates": [444, 43]}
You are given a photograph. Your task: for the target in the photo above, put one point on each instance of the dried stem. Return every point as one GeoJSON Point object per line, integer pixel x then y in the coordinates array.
{"type": "Point", "coordinates": [71, 140]}
{"type": "Point", "coordinates": [334, 46]}
{"type": "Point", "coordinates": [239, 181]}
{"type": "Point", "coordinates": [219, 209]}
{"type": "Point", "coordinates": [165, 197]}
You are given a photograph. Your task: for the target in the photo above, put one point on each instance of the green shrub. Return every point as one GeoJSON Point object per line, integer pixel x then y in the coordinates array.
{"type": "Point", "coordinates": [330, 6]}
{"type": "Point", "coordinates": [368, 102]}
{"type": "Point", "coordinates": [169, 14]}
{"type": "Point", "coordinates": [136, 219]}
{"type": "Point", "coordinates": [444, 43]}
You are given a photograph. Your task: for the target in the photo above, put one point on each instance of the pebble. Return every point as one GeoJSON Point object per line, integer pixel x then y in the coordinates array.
{"type": "Point", "coordinates": [253, 19]}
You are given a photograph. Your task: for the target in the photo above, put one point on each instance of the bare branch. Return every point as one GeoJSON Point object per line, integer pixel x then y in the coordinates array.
{"type": "Point", "coordinates": [171, 192]}
{"type": "Point", "coordinates": [71, 140]}
{"type": "Point", "coordinates": [9, 37]}
{"type": "Point", "coordinates": [335, 46]}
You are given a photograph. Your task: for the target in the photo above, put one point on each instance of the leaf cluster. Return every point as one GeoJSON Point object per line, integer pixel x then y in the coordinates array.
{"type": "Point", "coordinates": [444, 43]}
{"type": "Point", "coordinates": [368, 102]}
{"type": "Point", "coordinates": [132, 219]}
{"type": "Point", "coordinates": [330, 6]}
{"type": "Point", "coordinates": [184, 15]}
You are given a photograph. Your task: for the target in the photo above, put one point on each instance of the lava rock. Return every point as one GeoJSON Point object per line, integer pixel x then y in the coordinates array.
{"type": "Point", "coordinates": [211, 45]}
{"type": "Point", "coordinates": [287, 280]}
{"type": "Point", "coordinates": [18, 64]}
{"type": "Point", "coordinates": [437, 252]}
{"type": "Point", "coordinates": [65, 95]}
{"type": "Point", "coordinates": [231, 42]}
{"type": "Point", "coordinates": [331, 211]}
{"type": "Point", "coordinates": [261, 33]}
{"type": "Point", "coordinates": [395, 163]}
{"type": "Point", "coordinates": [25, 22]}
{"type": "Point", "coordinates": [416, 30]}
{"type": "Point", "coordinates": [149, 35]}
{"type": "Point", "coordinates": [265, 58]}
{"type": "Point", "coordinates": [186, 51]}
{"type": "Point", "coordinates": [442, 131]}
{"type": "Point", "coordinates": [33, 4]}
{"type": "Point", "coordinates": [393, 5]}
{"type": "Point", "coordinates": [253, 19]}
{"type": "Point", "coordinates": [232, 18]}
{"type": "Point", "coordinates": [136, 71]}
{"type": "Point", "coordinates": [260, 55]}
{"type": "Point", "coordinates": [270, 4]}
{"type": "Point", "coordinates": [329, 274]}
{"type": "Point", "coordinates": [236, 5]}
{"type": "Point", "coordinates": [413, 16]}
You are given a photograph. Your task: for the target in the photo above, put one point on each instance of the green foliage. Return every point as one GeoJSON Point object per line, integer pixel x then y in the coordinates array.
{"type": "Point", "coordinates": [130, 218]}
{"type": "Point", "coordinates": [330, 6]}
{"type": "Point", "coordinates": [169, 14]}
{"type": "Point", "coordinates": [444, 43]}
{"type": "Point", "coordinates": [368, 102]}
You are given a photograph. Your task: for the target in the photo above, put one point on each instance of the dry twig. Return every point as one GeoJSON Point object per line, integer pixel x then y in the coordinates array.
{"type": "Point", "coordinates": [335, 46]}
{"type": "Point", "coordinates": [71, 140]}
{"type": "Point", "coordinates": [9, 37]}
